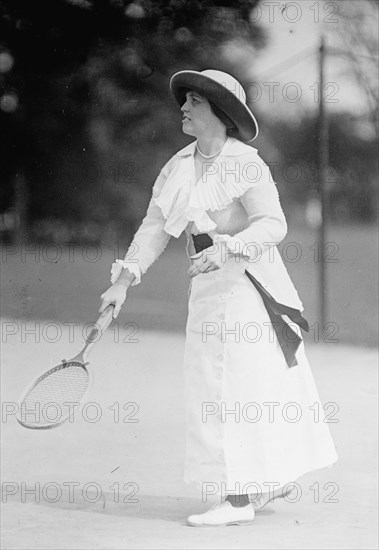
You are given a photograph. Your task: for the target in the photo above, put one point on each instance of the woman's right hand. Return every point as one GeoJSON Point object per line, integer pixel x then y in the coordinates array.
{"type": "Point", "coordinates": [115, 294]}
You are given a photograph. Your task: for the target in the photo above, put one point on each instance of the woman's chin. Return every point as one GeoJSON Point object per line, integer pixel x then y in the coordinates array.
{"type": "Point", "coordinates": [188, 131]}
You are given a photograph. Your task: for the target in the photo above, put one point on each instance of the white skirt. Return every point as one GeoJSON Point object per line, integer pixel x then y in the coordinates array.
{"type": "Point", "coordinates": [251, 420]}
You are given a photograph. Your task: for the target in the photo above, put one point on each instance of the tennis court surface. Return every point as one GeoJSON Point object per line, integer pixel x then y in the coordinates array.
{"type": "Point", "coordinates": [112, 478]}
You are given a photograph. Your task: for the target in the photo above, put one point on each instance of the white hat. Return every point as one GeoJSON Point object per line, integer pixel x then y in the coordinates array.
{"type": "Point", "coordinates": [224, 91]}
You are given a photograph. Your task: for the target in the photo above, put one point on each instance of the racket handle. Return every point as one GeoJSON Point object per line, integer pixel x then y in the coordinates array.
{"type": "Point", "coordinates": [106, 317]}
{"type": "Point", "coordinates": [101, 324]}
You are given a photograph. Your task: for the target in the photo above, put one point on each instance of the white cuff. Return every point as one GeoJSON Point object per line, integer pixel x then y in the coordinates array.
{"type": "Point", "coordinates": [234, 245]}
{"type": "Point", "coordinates": [119, 265]}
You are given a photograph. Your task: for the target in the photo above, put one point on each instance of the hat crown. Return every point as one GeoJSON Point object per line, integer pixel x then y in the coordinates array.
{"type": "Point", "coordinates": [228, 81]}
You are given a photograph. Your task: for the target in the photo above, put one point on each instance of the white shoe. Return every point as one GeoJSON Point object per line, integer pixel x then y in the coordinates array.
{"type": "Point", "coordinates": [223, 514]}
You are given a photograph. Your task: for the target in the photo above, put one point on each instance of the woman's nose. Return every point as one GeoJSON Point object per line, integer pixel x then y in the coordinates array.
{"type": "Point", "coordinates": [184, 107]}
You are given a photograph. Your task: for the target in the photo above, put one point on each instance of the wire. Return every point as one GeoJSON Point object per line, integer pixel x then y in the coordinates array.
{"type": "Point", "coordinates": [302, 56]}
{"type": "Point", "coordinates": [290, 61]}
{"type": "Point", "coordinates": [338, 51]}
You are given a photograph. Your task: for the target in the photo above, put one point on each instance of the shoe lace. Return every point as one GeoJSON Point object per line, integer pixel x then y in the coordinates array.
{"type": "Point", "coordinates": [216, 506]}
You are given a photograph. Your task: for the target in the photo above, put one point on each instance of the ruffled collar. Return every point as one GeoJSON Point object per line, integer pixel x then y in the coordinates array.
{"type": "Point", "coordinates": [232, 147]}
{"type": "Point", "coordinates": [184, 199]}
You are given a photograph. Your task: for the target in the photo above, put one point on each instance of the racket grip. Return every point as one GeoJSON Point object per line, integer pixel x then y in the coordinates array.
{"type": "Point", "coordinates": [105, 318]}
{"type": "Point", "coordinates": [101, 324]}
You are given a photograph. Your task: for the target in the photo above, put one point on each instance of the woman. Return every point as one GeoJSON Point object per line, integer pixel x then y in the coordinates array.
{"type": "Point", "coordinates": [250, 393]}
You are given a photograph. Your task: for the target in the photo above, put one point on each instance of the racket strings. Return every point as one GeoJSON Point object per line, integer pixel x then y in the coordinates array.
{"type": "Point", "coordinates": [52, 397]}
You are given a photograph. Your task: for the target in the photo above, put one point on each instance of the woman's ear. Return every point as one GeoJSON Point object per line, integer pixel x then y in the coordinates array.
{"type": "Point", "coordinates": [233, 132]}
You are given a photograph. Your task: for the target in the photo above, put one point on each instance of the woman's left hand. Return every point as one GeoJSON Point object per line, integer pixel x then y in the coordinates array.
{"type": "Point", "coordinates": [205, 261]}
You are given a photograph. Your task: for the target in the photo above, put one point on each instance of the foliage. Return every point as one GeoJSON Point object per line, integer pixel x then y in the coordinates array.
{"type": "Point", "coordinates": [353, 168]}
{"type": "Point", "coordinates": [86, 105]}
{"type": "Point", "coordinates": [87, 121]}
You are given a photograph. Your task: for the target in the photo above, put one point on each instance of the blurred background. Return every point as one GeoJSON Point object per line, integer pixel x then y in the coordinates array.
{"type": "Point", "coordinates": [87, 122]}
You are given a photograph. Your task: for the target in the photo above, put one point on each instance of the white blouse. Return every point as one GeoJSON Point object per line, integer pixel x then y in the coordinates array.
{"type": "Point", "coordinates": [235, 201]}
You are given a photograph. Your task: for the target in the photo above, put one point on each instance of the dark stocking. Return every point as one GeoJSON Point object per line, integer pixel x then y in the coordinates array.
{"type": "Point", "coordinates": [238, 500]}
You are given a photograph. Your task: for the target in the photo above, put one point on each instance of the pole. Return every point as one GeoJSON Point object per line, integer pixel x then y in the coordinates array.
{"type": "Point", "coordinates": [323, 161]}
{"type": "Point", "coordinates": [21, 208]}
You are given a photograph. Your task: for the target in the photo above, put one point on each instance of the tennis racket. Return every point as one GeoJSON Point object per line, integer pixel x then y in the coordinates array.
{"type": "Point", "coordinates": [53, 396]}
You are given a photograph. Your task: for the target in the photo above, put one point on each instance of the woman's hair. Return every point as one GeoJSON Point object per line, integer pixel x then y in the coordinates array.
{"type": "Point", "coordinates": [230, 126]}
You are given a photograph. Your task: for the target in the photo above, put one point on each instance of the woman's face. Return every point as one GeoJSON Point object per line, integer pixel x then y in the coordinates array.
{"type": "Point", "coordinates": [198, 116]}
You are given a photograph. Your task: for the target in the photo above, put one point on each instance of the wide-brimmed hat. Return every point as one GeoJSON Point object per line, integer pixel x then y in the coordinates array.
{"type": "Point", "coordinates": [224, 91]}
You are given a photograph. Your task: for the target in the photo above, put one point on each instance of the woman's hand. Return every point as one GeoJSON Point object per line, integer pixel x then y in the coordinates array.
{"type": "Point", "coordinates": [116, 294]}
{"type": "Point", "coordinates": [207, 260]}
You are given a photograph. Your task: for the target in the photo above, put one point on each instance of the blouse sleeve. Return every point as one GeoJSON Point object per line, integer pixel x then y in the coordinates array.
{"type": "Point", "coordinates": [267, 223]}
{"type": "Point", "coordinates": [150, 239]}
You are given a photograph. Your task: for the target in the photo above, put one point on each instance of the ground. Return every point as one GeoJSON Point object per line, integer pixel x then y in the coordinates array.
{"type": "Point", "coordinates": [142, 461]}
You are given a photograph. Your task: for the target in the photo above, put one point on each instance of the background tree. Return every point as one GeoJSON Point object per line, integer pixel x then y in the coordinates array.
{"type": "Point", "coordinates": [86, 118]}
{"type": "Point", "coordinates": [353, 167]}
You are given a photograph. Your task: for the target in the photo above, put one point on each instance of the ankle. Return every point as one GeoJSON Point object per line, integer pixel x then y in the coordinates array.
{"type": "Point", "coordinates": [238, 501]}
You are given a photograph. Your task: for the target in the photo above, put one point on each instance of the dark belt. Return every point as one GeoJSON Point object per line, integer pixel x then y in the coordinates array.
{"type": "Point", "coordinates": [288, 339]}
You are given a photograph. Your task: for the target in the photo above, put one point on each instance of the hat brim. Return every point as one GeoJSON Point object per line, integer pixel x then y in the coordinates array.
{"type": "Point", "coordinates": [236, 110]}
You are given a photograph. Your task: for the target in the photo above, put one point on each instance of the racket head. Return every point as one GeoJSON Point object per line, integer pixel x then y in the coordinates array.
{"type": "Point", "coordinates": [63, 388]}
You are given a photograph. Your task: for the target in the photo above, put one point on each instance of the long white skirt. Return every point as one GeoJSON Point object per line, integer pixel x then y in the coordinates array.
{"type": "Point", "coordinates": [251, 420]}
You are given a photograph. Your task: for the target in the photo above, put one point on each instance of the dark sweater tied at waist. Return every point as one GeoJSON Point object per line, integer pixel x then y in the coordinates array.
{"type": "Point", "coordinates": [288, 338]}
